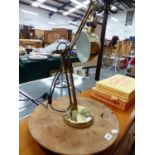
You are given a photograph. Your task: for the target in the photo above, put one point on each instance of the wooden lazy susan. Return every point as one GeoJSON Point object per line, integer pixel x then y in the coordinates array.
{"type": "Point", "coordinates": [48, 128]}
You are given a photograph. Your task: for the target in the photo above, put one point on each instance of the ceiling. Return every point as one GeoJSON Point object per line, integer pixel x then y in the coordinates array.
{"type": "Point", "coordinates": [62, 6]}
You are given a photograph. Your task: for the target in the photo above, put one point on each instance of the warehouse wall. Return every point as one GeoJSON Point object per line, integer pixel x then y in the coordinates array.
{"type": "Point", "coordinates": [115, 24]}
{"type": "Point", "coordinates": [41, 21]}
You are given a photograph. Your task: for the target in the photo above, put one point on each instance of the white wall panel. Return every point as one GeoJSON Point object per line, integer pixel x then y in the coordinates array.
{"type": "Point", "coordinates": [115, 24]}
{"type": "Point", "coordinates": [41, 21]}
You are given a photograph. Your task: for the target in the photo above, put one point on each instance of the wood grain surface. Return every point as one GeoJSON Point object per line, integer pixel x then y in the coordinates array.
{"type": "Point", "coordinates": [49, 129]}
{"type": "Point", "coordinates": [29, 146]}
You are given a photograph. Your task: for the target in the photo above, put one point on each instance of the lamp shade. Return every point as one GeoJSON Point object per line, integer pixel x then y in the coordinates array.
{"type": "Point", "coordinates": [87, 46]}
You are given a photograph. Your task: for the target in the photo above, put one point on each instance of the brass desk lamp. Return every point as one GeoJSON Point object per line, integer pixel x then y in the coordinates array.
{"type": "Point", "coordinates": [88, 46]}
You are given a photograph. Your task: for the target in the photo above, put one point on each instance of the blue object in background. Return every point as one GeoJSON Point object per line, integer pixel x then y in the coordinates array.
{"type": "Point", "coordinates": [72, 52]}
{"type": "Point", "coordinates": [132, 38]}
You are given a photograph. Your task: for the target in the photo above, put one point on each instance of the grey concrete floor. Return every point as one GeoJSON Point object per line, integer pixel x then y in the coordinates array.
{"type": "Point", "coordinates": [103, 73]}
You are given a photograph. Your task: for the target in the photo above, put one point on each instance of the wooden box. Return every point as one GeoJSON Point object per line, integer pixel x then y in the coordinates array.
{"type": "Point", "coordinates": [51, 36]}
{"type": "Point", "coordinates": [31, 42]}
{"type": "Point", "coordinates": [38, 33]}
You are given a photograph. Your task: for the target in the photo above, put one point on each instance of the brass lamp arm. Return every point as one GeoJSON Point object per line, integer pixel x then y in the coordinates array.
{"type": "Point", "coordinates": [77, 116]}
{"type": "Point", "coordinates": [92, 7]}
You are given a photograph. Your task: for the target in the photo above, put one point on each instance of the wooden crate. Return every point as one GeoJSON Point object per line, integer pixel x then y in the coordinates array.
{"type": "Point", "coordinates": [51, 36]}
{"type": "Point", "coordinates": [32, 42]}
{"type": "Point", "coordinates": [38, 33]}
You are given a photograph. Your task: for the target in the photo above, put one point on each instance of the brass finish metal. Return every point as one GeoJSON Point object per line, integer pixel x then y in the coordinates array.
{"type": "Point", "coordinates": [77, 116]}
{"type": "Point", "coordinates": [74, 103]}
{"type": "Point", "coordinates": [93, 20]}
{"type": "Point", "coordinates": [80, 118]}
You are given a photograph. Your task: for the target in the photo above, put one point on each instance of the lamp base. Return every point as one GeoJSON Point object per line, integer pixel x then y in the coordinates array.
{"type": "Point", "coordinates": [80, 118]}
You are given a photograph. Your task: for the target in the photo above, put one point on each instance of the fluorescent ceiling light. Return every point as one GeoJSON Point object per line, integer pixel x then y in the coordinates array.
{"type": "Point", "coordinates": [114, 19]}
{"type": "Point", "coordinates": [80, 5]}
{"type": "Point", "coordinates": [86, 2]}
{"type": "Point", "coordinates": [51, 23]}
{"type": "Point", "coordinates": [72, 10]}
{"type": "Point", "coordinates": [42, 1]}
{"type": "Point", "coordinates": [76, 2]}
{"type": "Point", "coordinates": [66, 13]}
{"type": "Point", "coordinates": [83, 4]}
{"type": "Point", "coordinates": [29, 12]}
{"type": "Point", "coordinates": [36, 4]}
{"type": "Point", "coordinates": [48, 8]}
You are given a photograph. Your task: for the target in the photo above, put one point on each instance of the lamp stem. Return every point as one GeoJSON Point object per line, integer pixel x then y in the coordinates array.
{"type": "Point", "coordinates": [74, 103]}
{"type": "Point", "coordinates": [70, 68]}
{"type": "Point", "coordinates": [78, 116]}
{"type": "Point", "coordinates": [67, 79]}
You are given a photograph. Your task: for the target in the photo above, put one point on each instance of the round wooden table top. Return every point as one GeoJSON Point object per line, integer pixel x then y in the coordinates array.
{"type": "Point", "coordinates": [48, 128]}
